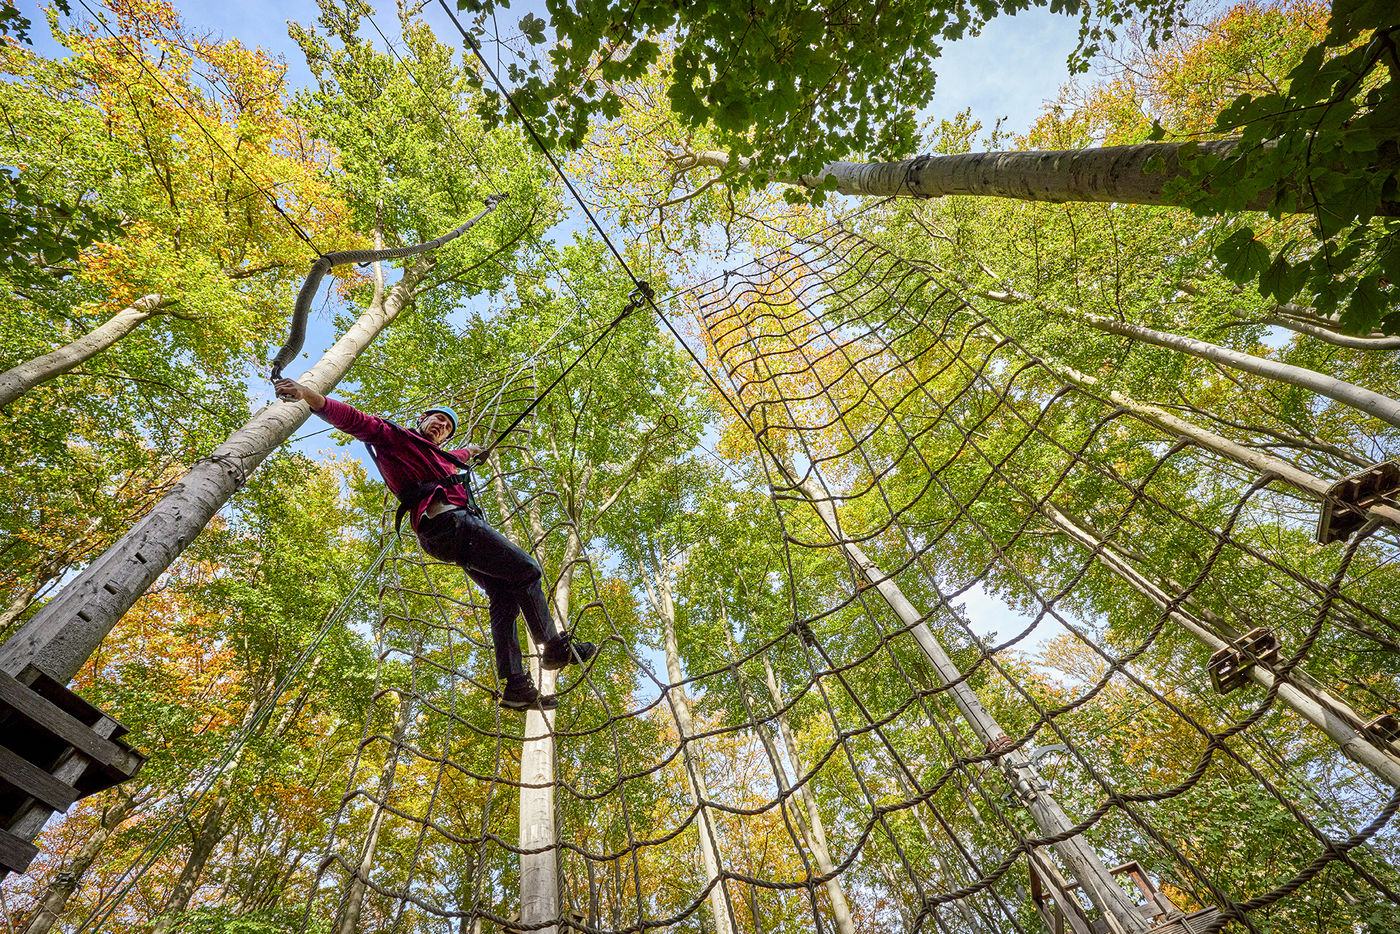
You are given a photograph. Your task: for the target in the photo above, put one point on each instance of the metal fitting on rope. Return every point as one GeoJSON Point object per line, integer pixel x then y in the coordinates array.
{"type": "Point", "coordinates": [640, 296]}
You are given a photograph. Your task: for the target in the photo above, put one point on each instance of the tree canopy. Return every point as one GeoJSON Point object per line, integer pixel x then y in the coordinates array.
{"type": "Point", "coordinates": [913, 531]}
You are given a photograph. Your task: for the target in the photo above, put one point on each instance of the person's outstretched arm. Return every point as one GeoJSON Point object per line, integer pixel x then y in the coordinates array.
{"type": "Point", "coordinates": [289, 390]}
{"type": "Point", "coordinates": [342, 415]}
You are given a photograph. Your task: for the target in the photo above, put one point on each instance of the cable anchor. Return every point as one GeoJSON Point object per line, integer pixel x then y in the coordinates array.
{"type": "Point", "coordinates": [641, 295]}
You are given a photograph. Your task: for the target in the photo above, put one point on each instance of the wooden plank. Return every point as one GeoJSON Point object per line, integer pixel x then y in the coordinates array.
{"type": "Point", "coordinates": [16, 854]}
{"type": "Point", "coordinates": [32, 780]}
{"type": "Point", "coordinates": [67, 728]}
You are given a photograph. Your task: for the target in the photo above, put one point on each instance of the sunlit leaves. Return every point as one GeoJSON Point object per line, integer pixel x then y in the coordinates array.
{"type": "Point", "coordinates": [799, 85]}
{"type": "Point", "coordinates": [1324, 145]}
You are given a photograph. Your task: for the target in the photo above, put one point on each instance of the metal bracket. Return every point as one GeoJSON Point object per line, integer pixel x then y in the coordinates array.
{"type": "Point", "coordinates": [1384, 729]}
{"type": "Point", "coordinates": [1344, 509]}
{"type": "Point", "coordinates": [1229, 666]}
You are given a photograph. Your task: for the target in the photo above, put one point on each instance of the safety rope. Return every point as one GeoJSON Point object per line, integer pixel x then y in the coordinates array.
{"type": "Point", "coordinates": [297, 335]}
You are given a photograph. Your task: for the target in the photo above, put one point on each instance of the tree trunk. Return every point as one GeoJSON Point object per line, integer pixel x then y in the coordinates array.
{"type": "Point", "coordinates": [659, 590]}
{"type": "Point", "coordinates": [1382, 407]}
{"type": "Point", "coordinates": [1104, 174]}
{"type": "Point", "coordinates": [813, 828]}
{"type": "Point", "coordinates": [1328, 713]}
{"type": "Point", "coordinates": [18, 380]}
{"type": "Point", "coordinates": [1329, 336]}
{"type": "Point", "coordinates": [539, 870]}
{"type": "Point", "coordinates": [355, 894]}
{"type": "Point", "coordinates": [809, 825]}
{"type": "Point", "coordinates": [211, 831]}
{"type": "Point", "coordinates": [67, 879]}
{"type": "Point", "coordinates": [1254, 460]}
{"type": "Point", "coordinates": [1098, 883]}
{"type": "Point", "coordinates": [61, 636]}
{"type": "Point", "coordinates": [895, 888]}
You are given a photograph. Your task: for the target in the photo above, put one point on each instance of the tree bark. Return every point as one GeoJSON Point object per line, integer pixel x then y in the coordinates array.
{"type": "Point", "coordinates": [211, 831]}
{"type": "Point", "coordinates": [1104, 174]}
{"type": "Point", "coordinates": [1327, 713]}
{"type": "Point", "coordinates": [813, 828]}
{"type": "Point", "coordinates": [1098, 883]}
{"type": "Point", "coordinates": [539, 870]}
{"type": "Point", "coordinates": [1335, 338]}
{"type": "Point", "coordinates": [67, 880]}
{"type": "Point", "coordinates": [18, 380]}
{"type": "Point", "coordinates": [61, 636]}
{"type": "Point", "coordinates": [1372, 403]}
{"type": "Point", "coordinates": [809, 824]}
{"type": "Point", "coordinates": [659, 591]}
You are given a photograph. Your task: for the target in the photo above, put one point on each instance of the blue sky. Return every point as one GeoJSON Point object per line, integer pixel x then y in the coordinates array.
{"type": "Point", "coordinates": [1008, 71]}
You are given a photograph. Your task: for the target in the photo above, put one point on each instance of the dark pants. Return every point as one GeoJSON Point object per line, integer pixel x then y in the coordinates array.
{"type": "Point", "coordinates": [510, 578]}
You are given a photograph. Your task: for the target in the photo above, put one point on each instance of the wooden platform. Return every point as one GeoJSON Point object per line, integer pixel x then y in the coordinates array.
{"type": "Point", "coordinates": [55, 748]}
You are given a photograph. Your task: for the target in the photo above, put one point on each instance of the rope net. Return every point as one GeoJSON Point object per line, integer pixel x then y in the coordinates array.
{"type": "Point", "coordinates": [944, 669]}
{"type": "Point", "coordinates": [1007, 701]}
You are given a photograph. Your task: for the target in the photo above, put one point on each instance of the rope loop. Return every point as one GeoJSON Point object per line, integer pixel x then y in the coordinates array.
{"type": "Point", "coordinates": [641, 295]}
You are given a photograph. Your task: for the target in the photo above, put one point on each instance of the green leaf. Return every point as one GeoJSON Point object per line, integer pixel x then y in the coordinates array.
{"type": "Point", "coordinates": [533, 28]}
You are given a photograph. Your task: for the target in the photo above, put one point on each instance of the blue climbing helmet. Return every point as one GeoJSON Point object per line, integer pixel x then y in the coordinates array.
{"type": "Point", "coordinates": [450, 413]}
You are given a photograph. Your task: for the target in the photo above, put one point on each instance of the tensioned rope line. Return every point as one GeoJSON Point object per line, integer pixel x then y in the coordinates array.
{"type": "Point", "coordinates": [637, 284]}
{"type": "Point", "coordinates": [290, 221]}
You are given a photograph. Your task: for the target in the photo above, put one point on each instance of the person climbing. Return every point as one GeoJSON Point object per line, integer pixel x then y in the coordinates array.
{"type": "Point", "coordinates": [428, 481]}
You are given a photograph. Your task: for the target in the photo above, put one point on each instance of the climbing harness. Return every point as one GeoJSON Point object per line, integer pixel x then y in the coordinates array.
{"type": "Point", "coordinates": [297, 335]}
{"type": "Point", "coordinates": [413, 496]}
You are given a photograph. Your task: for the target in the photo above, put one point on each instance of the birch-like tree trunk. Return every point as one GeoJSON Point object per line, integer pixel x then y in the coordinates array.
{"type": "Point", "coordinates": [67, 880]}
{"type": "Point", "coordinates": [1316, 705]}
{"type": "Point", "coordinates": [539, 867]}
{"type": "Point", "coordinates": [812, 827]}
{"type": "Point", "coordinates": [808, 818]}
{"type": "Point", "coordinates": [1104, 174]}
{"type": "Point", "coordinates": [1380, 406]}
{"type": "Point", "coordinates": [61, 636]}
{"type": "Point", "coordinates": [1259, 462]}
{"type": "Point", "coordinates": [658, 587]}
{"type": "Point", "coordinates": [19, 379]}
{"type": "Point", "coordinates": [1098, 883]}
{"type": "Point", "coordinates": [355, 891]}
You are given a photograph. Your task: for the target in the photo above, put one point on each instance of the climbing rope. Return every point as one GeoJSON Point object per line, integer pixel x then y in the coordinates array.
{"type": "Point", "coordinates": [297, 334]}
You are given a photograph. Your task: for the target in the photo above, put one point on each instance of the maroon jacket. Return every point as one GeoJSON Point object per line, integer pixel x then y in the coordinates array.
{"type": "Point", "coordinates": [402, 460]}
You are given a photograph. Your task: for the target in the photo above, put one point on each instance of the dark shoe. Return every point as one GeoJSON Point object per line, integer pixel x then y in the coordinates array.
{"type": "Point", "coordinates": [564, 650]}
{"type": "Point", "coordinates": [523, 695]}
